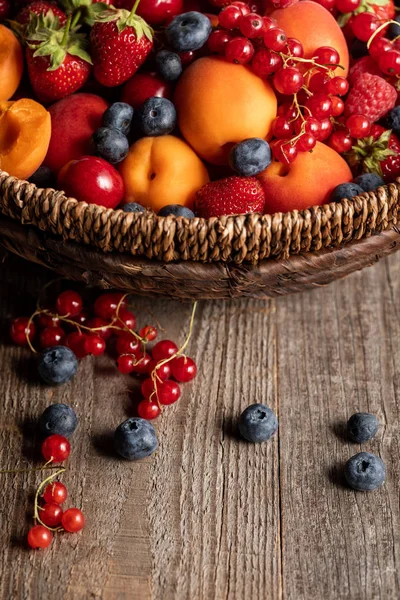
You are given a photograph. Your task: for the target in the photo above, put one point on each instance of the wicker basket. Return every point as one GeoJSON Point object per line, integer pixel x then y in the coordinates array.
{"type": "Point", "coordinates": [244, 255]}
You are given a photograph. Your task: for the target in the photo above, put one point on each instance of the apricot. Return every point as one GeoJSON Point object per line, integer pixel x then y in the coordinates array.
{"type": "Point", "coordinates": [220, 104]}
{"type": "Point", "coordinates": [11, 63]}
{"type": "Point", "coordinates": [308, 181]}
{"type": "Point", "coordinates": [25, 130]}
{"type": "Point", "coordinates": [314, 26]}
{"type": "Point", "coordinates": [162, 170]}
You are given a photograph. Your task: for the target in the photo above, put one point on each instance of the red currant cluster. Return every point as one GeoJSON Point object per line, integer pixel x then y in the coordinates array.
{"type": "Point", "coordinates": [48, 514]}
{"type": "Point", "coordinates": [368, 27]}
{"type": "Point", "coordinates": [69, 324]}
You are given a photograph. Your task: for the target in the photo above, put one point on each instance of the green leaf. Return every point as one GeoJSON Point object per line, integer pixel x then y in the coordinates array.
{"type": "Point", "coordinates": [343, 19]}
{"type": "Point", "coordinates": [79, 52]}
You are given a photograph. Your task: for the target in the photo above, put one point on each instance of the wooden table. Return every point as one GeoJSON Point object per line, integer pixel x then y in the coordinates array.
{"type": "Point", "coordinates": [210, 516]}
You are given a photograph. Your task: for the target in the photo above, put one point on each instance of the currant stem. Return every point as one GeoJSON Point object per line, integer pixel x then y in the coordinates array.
{"type": "Point", "coordinates": [385, 24]}
{"type": "Point", "coordinates": [36, 503]}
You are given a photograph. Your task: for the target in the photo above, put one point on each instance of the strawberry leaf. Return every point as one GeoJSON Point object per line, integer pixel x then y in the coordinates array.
{"type": "Point", "coordinates": [124, 19]}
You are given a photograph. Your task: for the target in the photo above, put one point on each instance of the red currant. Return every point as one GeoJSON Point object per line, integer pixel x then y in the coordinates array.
{"type": "Point", "coordinates": [148, 410]}
{"type": "Point", "coordinates": [319, 82]}
{"type": "Point", "coordinates": [73, 520]}
{"type": "Point", "coordinates": [288, 81]}
{"type": "Point", "coordinates": [389, 62]}
{"type": "Point", "coordinates": [268, 23]}
{"type": "Point", "coordinates": [125, 363]}
{"type": "Point", "coordinates": [251, 25]}
{"type": "Point", "coordinates": [51, 514]}
{"type": "Point", "coordinates": [76, 342]}
{"type": "Point", "coordinates": [82, 318]}
{"type": "Point", "coordinates": [239, 50]}
{"type": "Point", "coordinates": [141, 364]}
{"type": "Point", "coordinates": [69, 304]}
{"type": "Point", "coordinates": [21, 329]}
{"type": "Point", "coordinates": [337, 106]}
{"type": "Point", "coordinates": [39, 537]}
{"type": "Point", "coordinates": [150, 388]}
{"type": "Point", "coordinates": [163, 372]}
{"type": "Point", "coordinates": [295, 47]}
{"type": "Point", "coordinates": [106, 305]}
{"type": "Point", "coordinates": [126, 319]}
{"type": "Point", "coordinates": [338, 86]}
{"type": "Point", "coordinates": [230, 16]}
{"type": "Point", "coordinates": [187, 57]}
{"type": "Point", "coordinates": [183, 368]}
{"type": "Point", "coordinates": [55, 492]}
{"type": "Point", "coordinates": [282, 128]}
{"type": "Point", "coordinates": [46, 320]}
{"type": "Point", "coordinates": [358, 126]}
{"type": "Point", "coordinates": [283, 151]}
{"type": "Point", "coordinates": [100, 327]}
{"type": "Point", "coordinates": [364, 25]}
{"type": "Point", "coordinates": [306, 142]}
{"type": "Point", "coordinates": [275, 39]}
{"type": "Point", "coordinates": [328, 4]}
{"type": "Point", "coordinates": [320, 106]}
{"type": "Point", "coordinates": [217, 40]}
{"type": "Point", "coordinates": [266, 62]}
{"type": "Point", "coordinates": [244, 7]}
{"type": "Point", "coordinates": [379, 45]}
{"type": "Point", "coordinates": [340, 141]}
{"type": "Point", "coordinates": [95, 345]}
{"type": "Point", "coordinates": [309, 125]}
{"type": "Point", "coordinates": [51, 336]}
{"type": "Point", "coordinates": [325, 129]}
{"type": "Point", "coordinates": [326, 55]}
{"type": "Point", "coordinates": [127, 343]}
{"type": "Point", "coordinates": [56, 448]}
{"type": "Point", "coordinates": [148, 333]}
{"type": "Point", "coordinates": [169, 392]}
{"type": "Point", "coordinates": [164, 349]}
{"type": "Point", "coordinates": [287, 110]}
{"type": "Point", "coordinates": [347, 6]}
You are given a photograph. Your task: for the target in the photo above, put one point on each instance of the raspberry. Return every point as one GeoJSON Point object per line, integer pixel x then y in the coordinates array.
{"type": "Point", "coordinates": [363, 65]}
{"type": "Point", "coordinates": [370, 96]}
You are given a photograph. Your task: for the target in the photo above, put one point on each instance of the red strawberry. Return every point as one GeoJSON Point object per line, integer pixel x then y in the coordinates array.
{"type": "Point", "coordinates": [377, 153]}
{"type": "Point", "coordinates": [370, 96]}
{"type": "Point", "coordinates": [58, 63]}
{"type": "Point", "coordinates": [121, 41]}
{"type": "Point", "coordinates": [366, 64]}
{"type": "Point", "coordinates": [230, 196]}
{"type": "Point", "coordinates": [41, 7]}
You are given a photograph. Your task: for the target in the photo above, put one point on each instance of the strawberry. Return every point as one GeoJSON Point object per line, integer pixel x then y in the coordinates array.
{"type": "Point", "coordinates": [121, 41]}
{"type": "Point", "coordinates": [230, 196]}
{"type": "Point", "coordinates": [370, 96]}
{"type": "Point", "coordinates": [41, 7]}
{"type": "Point", "coordinates": [58, 63]}
{"type": "Point", "coordinates": [377, 153]}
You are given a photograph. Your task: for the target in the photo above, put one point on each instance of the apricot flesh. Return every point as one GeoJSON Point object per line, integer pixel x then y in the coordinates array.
{"type": "Point", "coordinates": [220, 104]}
{"type": "Point", "coordinates": [25, 130]}
{"type": "Point", "coordinates": [11, 63]}
{"type": "Point", "coordinates": [162, 170]}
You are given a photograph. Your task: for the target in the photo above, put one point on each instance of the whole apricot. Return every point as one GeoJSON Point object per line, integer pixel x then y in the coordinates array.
{"type": "Point", "coordinates": [307, 181]}
{"type": "Point", "coordinates": [11, 63]}
{"type": "Point", "coordinates": [220, 104]}
{"type": "Point", "coordinates": [162, 170]}
{"type": "Point", "coordinates": [314, 26]}
{"type": "Point", "coordinates": [25, 130]}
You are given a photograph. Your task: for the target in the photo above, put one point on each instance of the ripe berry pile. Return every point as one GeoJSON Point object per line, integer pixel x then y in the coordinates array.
{"type": "Point", "coordinates": [68, 332]}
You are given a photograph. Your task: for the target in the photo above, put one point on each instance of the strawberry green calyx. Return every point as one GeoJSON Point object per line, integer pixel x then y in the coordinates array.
{"type": "Point", "coordinates": [124, 19]}
{"type": "Point", "coordinates": [368, 153]}
{"type": "Point", "coordinates": [85, 11]}
{"type": "Point", "coordinates": [56, 44]}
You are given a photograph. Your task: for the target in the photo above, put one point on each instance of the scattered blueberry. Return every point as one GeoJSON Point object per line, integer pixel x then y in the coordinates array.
{"type": "Point", "coordinates": [111, 144]}
{"type": "Point", "coordinates": [60, 419]}
{"type": "Point", "coordinates": [135, 438]}
{"type": "Point", "coordinates": [133, 207]}
{"type": "Point", "coordinates": [365, 471]}
{"type": "Point", "coordinates": [176, 210]}
{"type": "Point", "coordinates": [57, 365]}
{"type": "Point", "coordinates": [345, 190]}
{"type": "Point", "coordinates": [257, 423]}
{"type": "Point", "coordinates": [394, 30]}
{"type": "Point", "coordinates": [43, 177]}
{"type": "Point", "coordinates": [169, 65]}
{"type": "Point", "coordinates": [359, 49]}
{"type": "Point", "coordinates": [250, 157]}
{"type": "Point", "coordinates": [369, 181]}
{"type": "Point", "coordinates": [392, 119]}
{"type": "Point", "coordinates": [156, 116]}
{"type": "Point", "coordinates": [362, 427]}
{"type": "Point", "coordinates": [119, 116]}
{"type": "Point", "coordinates": [188, 31]}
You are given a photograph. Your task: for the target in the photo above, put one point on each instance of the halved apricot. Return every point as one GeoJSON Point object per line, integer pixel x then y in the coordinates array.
{"type": "Point", "coordinates": [25, 130]}
{"type": "Point", "coordinates": [11, 63]}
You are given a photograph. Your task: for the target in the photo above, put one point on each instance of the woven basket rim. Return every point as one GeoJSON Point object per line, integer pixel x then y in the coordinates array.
{"type": "Point", "coordinates": [235, 238]}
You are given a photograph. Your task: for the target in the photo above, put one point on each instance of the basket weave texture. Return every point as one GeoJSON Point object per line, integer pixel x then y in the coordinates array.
{"type": "Point", "coordinates": [231, 239]}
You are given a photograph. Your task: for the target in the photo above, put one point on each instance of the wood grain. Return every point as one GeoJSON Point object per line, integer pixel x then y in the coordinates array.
{"type": "Point", "coordinates": [210, 517]}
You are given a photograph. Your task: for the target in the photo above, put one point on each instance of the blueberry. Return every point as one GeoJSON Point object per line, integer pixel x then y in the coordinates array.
{"type": "Point", "coordinates": [43, 177]}
{"type": "Point", "coordinates": [111, 144]}
{"type": "Point", "coordinates": [359, 49]}
{"type": "Point", "coordinates": [135, 438]}
{"type": "Point", "coordinates": [176, 210]}
{"type": "Point", "coordinates": [365, 471]}
{"type": "Point", "coordinates": [157, 116]}
{"type": "Point", "coordinates": [133, 207]}
{"type": "Point", "coordinates": [188, 31]}
{"type": "Point", "coordinates": [394, 30]}
{"type": "Point", "coordinates": [169, 65]}
{"type": "Point", "coordinates": [345, 190]}
{"type": "Point", "coordinates": [250, 157]}
{"type": "Point", "coordinates": [60, 419]}
{"type": "Point", "coordinates": [392, 119]}
{"type": "Point", "coordinates": [119, 116]}
{"type": "Point", "coordinates": [57, 365]}
{"type": "Point", "coordinates": [369, 181]}
{"type": "Point", "coordinates": [362, 427]}
{"type": "Point", "coordinates": [257, 423]}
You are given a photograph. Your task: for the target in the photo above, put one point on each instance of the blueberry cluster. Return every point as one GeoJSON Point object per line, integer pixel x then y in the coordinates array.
{"type": "Point", "coordinates": [367, 182]}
